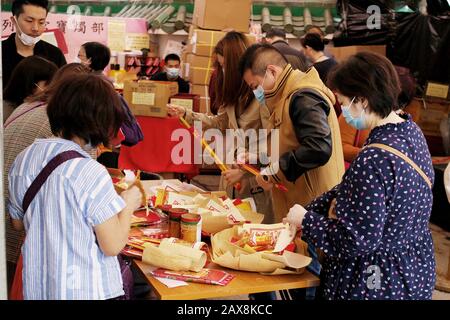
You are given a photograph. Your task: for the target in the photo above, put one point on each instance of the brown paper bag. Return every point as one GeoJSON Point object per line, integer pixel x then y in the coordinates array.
{"type": "Point", "coordinates": [229, 255]}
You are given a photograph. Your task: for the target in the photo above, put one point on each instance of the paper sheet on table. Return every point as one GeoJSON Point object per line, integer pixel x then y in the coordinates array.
{"type": "Point", "coordinates": [171, 283]}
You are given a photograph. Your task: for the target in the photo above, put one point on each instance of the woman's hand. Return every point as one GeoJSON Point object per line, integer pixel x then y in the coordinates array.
{"type": "Point", "coordinates": [295, 216]}
{"type": "Point", "coordinates": [133, 198]}
{"type": "Point", "coordinates": [263, 183]}
{"type": "Point", "coordinates": [176, 111]}
{"type": "Point", "coordinates": [232, 176]}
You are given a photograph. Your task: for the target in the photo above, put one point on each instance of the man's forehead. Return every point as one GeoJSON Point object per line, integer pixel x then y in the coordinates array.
{"type": "Point", "coordinates": [35, 12]}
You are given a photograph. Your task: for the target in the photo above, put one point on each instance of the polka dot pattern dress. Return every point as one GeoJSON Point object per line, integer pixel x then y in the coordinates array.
{"type": "Point", "coordinates": [380, 245]}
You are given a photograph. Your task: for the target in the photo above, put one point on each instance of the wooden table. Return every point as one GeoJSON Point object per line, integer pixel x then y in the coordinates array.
{"type": "Point", "coordinates": [243, 283]}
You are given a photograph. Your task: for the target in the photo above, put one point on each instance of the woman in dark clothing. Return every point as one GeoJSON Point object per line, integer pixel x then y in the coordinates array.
{"type": "Point", "coordinates": [313, 48]}
{"type": "Point", "coordinates": [373, 226]}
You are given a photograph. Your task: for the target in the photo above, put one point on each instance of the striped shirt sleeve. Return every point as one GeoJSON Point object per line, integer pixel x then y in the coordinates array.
{"type": "Point", "coordinates": [99, 198]}
{"type": "Point", "coordinates": [13, 206]}
{"type": "Point", "coordinates": [14, 209]}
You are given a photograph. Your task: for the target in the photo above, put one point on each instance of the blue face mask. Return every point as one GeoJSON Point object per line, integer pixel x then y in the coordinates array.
{"type": "Point", "coordinates": [259, 92]}
{"type": "Point", "coordinates": [358, 123]}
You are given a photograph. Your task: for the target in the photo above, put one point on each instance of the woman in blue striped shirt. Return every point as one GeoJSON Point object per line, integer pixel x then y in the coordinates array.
{"type": "Point", "coordinates": [77, 224]}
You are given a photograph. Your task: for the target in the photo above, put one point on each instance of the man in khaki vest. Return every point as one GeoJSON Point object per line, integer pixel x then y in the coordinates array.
{"type": "Point", "coordinates": [301, 108]}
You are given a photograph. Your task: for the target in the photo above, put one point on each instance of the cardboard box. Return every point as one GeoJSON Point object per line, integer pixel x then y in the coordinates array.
{"type": "Point", "coordinates": [149, 98]}
{"type": "Point", "coordinates": [203, 42]}
{"type": "Point", "coordinates": [205, 104]}
{"type": "Point", "coordinates": [430, 116]}
{"type": "Point", "coordinates": [198, 69]}
{"type": "Point", "coordinates": [201, 90]}
{"type": "Point", "coordinates": [205, 101]}
{"type": "Point", "coordinates": [342, 53]}
{"type": "Point", "coordinates": [437, 91]}
{"type": "Point", "coordinates": [189, 101]}
{"type": "Point", "coordinates": [222, 14]}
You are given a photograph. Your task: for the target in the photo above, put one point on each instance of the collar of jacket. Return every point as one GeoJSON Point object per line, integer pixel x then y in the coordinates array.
{"type": "Point", "coordinates": [289, 82]}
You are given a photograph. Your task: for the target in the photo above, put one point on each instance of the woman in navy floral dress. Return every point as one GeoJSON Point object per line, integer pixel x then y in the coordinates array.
{"type": "Point", "coordinates": [376, 240]}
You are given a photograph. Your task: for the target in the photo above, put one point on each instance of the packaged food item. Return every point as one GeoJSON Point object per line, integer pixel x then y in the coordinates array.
{"type": "Point", "coordinates": [175, 221]}
{"type": "Point", "coordinates": [258, 237]}
{"type": "Point", "coordinates": [191, 227]}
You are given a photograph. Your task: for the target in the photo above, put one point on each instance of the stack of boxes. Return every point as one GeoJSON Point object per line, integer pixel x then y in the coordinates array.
{"type": "Point", "coordinates": [210, 17]}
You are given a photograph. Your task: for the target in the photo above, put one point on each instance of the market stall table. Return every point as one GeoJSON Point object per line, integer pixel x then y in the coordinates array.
{"type": "Point", "coordinates": [243, 283]}
{"type": "Point", "coordinates": [153, 154]}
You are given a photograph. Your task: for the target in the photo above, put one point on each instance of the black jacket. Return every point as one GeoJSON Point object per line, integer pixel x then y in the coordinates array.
{"type": "Point", "coordinates": [10, 57]}
{"type": "Point", "coordinates": [296, 58]}
{"type": "Point", "coordinates": [309, 115]}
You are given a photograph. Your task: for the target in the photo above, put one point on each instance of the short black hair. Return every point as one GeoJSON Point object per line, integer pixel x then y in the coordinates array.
{"type": "Point", "coordinates": [173, 57]}
{"type": "Point", "coordinates": [314, 41]}
{"type": "Point", "coordinates": [25, 77]}
{"type": "Point", "coordinates": [371, 76]}
{"type": "Point", "coordinates": [99, 54]}
{"type": "Point", "coordinates": [17, 5]}
{"type": "Point", "coordinates": [85, 106]}
{"type": "Point", "coordinates": [258, 56]}
{"type": "Point", "coordinates": [276, 32]}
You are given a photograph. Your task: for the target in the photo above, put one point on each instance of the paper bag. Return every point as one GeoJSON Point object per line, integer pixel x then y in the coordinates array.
{"type": "Point", "coordinates": [229, 255]}
{"type": "Point", "coordinates": [174, 257]}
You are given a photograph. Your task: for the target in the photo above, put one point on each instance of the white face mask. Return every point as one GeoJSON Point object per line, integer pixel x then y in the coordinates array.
{"type": "Point", "coordinates": [173, 73]}
{"type": "Point", "coordinates": [26, 39]}
{"type": "Point", "coordinates": [76, 60]}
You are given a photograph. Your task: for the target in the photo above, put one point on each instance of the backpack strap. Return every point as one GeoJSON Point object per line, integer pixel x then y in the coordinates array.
{"type": "Point", "coordinates": [405, 158]}
{"type": "Point", "coordinates": [45, 173]}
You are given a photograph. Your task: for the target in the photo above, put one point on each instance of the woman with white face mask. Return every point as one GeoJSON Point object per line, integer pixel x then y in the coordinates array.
{"type": "Point", "coordinates": [29, 22]}
{"type": "Point", "coordinates": [373, 226]}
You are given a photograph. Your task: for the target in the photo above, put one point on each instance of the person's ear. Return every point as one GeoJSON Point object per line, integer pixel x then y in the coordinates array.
{"type": "Point", "coordinates": [14, 21]}
{"type": "Point", "coordinates": [272, 70]}
{"type": "Point", "coordinates": [364, 103]}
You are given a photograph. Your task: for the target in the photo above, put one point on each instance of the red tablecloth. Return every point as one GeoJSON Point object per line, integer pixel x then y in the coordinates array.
{"type": "Point", "coordinates": [153, 154]}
